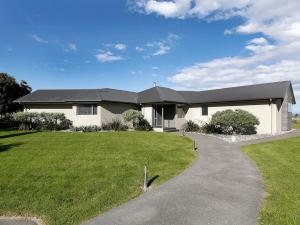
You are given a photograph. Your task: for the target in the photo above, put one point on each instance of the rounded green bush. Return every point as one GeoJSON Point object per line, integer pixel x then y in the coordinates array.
{"type": "Point", "coordinates": [234, 122]}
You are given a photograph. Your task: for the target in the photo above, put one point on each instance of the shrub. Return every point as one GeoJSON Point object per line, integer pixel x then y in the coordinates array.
{"type": "Point", "coordinates": [87, 128]}
{"type": "Point", "coordinates": [143, 124]}
{"type": "Point", "coordinates": [234, 122]}
{"type": "Point", "coordinates": [132, 115]}
{"type": "Point", "coordinates": [115, 125]}
{"type": "Point", "coordinates": [41, 121]}
{"type": "Point", "coordinates": [7, 121]}
{"type": "Point", "coordinates": [209, 128]}
{"type": "Point", "coordinates": [136, 120]}
{"type": "Point", "coordinates": [27, 120]}
{"type": "Point", "coordinates": [191, 126]}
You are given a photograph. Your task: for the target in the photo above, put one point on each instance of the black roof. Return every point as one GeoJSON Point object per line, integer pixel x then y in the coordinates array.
{"type": "Point", "coordinates": [160, 94]}
{"type": "Point", "coordinates": [273, 90]}
{"type": "Point", "coordinates": [79, 95]}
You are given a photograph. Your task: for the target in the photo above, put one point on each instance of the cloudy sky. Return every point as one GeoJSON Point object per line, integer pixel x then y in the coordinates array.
{"type": "Point", "coordinates": [183, 44]}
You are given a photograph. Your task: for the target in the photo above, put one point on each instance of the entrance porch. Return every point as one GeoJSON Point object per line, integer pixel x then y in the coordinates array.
{"type": "Point", "coordinates": [163, 117]}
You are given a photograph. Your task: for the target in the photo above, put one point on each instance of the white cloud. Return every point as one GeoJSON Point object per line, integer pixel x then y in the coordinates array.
{"type": "Point", "coordinates": [162, 47]}
{"type": "Point", "coordinates": [267, 63]}
{"type": "Point", "coordinates": [108, 57]}
{"type": "Point", "coordinates": [120, 46]}
{"type": "Point", "coordinates": [272, 57]}
{"type": "Point", "coordinates": [38, 39]}
{"type": "Point", "coordinates": [72, 47]}
{"type": "Point", "coordinates": [190, 8]}
{"type": "Point", "coordinates": [139, 49]}
{"type": "Point", "coordinates": [155, 67]}
{"type": "Point", "coordinates": [162, 50]}
{"type": "Point", "coordinates": [258, 41]}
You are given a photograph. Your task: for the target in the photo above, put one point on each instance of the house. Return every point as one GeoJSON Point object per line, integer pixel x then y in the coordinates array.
{"type": "Point", "coordinates": [166, 108]}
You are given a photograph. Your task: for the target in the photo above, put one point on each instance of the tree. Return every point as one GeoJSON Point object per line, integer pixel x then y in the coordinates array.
{"type": "Point", "coordinates": [11, 90]}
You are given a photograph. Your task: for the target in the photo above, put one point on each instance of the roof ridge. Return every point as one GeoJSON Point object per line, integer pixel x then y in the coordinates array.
{"type": "Point", "coordinates": [99, 95]}
{"type": "Point", "coordinates": [114, 89]}
{"type": "Point", "coordinates": [160, 93]}
{"type": "Point", "coordinates": [242, 86]}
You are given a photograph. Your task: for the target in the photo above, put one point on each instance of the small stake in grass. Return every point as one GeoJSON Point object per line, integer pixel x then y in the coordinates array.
{"type": "Point", "coordinates": [194, 146]}
{"type": "Point", "coordinates": [145, 179]}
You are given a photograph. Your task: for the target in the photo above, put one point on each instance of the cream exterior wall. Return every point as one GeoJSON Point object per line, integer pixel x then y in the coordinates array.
{"type": "Point", "coordinates": [106, 112]}
{"type": "Point", "coordinates": [51, 108]}
{"type": "Point", "coordinates": [70, 113]}
{"type": "Point", "coordinates": [86, 120]}
{"type": "Point", "coordinates": [147, 112]}
{"type": "Point", "coordinates": [111, 111]}
{"type": "Point", "coordinates": [264, 112]}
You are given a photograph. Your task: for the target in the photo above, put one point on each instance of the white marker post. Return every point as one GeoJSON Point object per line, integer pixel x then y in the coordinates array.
{"type": "Point", "coordinates": [145, 179]}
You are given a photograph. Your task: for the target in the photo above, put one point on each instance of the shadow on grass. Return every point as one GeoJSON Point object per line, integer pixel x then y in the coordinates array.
{"type": "Point", "coordinates": [16, 134]}
{"type": "Point", "coordinates": [6, 147]}
{"type": "Point", "coordinates": [152, 180]}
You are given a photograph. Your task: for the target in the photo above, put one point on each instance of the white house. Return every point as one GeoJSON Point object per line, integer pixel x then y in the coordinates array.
{"type": "Point", "coordinates": [168, 109]}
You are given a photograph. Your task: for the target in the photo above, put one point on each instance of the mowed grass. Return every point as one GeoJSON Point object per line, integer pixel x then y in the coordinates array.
{"type": "Point", "coordinates": [296, 125]}
{"type": "Point", "coordinates": [279, 163]}
{"type": "Point", "coordinates": [66, 178]}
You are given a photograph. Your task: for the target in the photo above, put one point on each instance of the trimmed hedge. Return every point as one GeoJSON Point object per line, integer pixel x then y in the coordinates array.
{"type": "Point", "coordinates": [232, 122]}
{"type": "Point", "coordinates": [41, 121]}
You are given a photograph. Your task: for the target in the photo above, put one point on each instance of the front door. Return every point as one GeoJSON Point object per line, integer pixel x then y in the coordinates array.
{"type": "Point", "coordinates": [169, 116]}
{"type": "Point", "coordinates": [157, 116]}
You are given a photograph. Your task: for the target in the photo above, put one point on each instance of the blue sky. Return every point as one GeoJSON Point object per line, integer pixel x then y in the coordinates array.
{"type": "Point", "coordinates": [184, 44]}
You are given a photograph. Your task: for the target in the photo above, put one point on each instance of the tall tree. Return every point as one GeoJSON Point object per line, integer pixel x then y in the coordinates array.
{"type": "Point", "coordinates": [10, 90]}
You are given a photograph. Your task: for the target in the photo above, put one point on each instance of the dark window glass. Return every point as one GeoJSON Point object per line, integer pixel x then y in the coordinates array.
{"type": "Point", "coordinates": [204, 110]}
{"type": "Point", "coordinates": [180, 112]}
{"type": "Point", "coordinates": [87, 109]}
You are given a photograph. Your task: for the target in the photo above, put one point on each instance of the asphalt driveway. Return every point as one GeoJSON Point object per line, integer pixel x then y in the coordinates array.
{"type": "Point", "coordinates": [223, 187]}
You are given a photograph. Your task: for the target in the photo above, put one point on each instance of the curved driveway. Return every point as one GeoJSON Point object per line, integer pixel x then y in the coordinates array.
{"type": "Point", "coordinates": [221, 188]}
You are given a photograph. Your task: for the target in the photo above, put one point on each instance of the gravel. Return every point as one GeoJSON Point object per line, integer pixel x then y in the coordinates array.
{"type": "Point", "coordinates": [244, 138]}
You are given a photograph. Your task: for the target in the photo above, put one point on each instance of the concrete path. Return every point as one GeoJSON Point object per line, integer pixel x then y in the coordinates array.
{"type": "Point", "coordinates": [16, 221]}
{"type": "Point", "coordinates": [221, 188]}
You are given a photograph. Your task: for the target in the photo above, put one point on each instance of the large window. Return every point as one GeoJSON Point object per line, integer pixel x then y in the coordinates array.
{"type": "Point", "coordinates": [87, 109]}
{"type": "Point", "coordinates": [290, 107]}
{"type": "Point", "coordinates": [204, 110]}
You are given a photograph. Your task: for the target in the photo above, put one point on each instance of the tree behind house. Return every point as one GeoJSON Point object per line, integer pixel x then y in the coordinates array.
{"type": "Point", "coordinates": [11, 90]}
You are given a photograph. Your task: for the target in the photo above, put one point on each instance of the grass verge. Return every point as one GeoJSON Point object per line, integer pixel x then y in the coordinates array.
{"type": "Point", "coordinates": [65, 178]}
{"type": "Point", "coordinates": [279, 163]}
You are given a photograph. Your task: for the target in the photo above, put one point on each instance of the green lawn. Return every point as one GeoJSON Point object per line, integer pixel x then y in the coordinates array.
{"type": "Point", "coordinates": [296, 125]}
{"type": "Point", "coordinates": [65, 178]}
{"type": "Point", "coordinates": [279, 163]}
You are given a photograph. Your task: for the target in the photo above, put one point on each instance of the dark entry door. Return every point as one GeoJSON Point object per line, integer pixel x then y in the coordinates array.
{"type": "Point", "coordinates": [157, 115]}
{"type": "Point", "coordinates": [169, 115]}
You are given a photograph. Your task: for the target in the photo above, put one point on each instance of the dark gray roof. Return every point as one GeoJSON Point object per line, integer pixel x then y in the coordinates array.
{"type": "Point", "coordinates": [79, 95]}
{"type": "Point", "coordinates": [161, 94]}
{"type": "Point", "coordinates": [251, 92]}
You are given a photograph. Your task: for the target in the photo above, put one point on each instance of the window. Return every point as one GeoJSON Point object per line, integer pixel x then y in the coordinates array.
{"type": "Point", "coordinates": [204, 110]}
{"type": "Point", "coordinates": [181, 111]}
{"type": "Point", "coordinates": [290, 107]}
{"type": "Point", "coordinates": [87, 109]}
